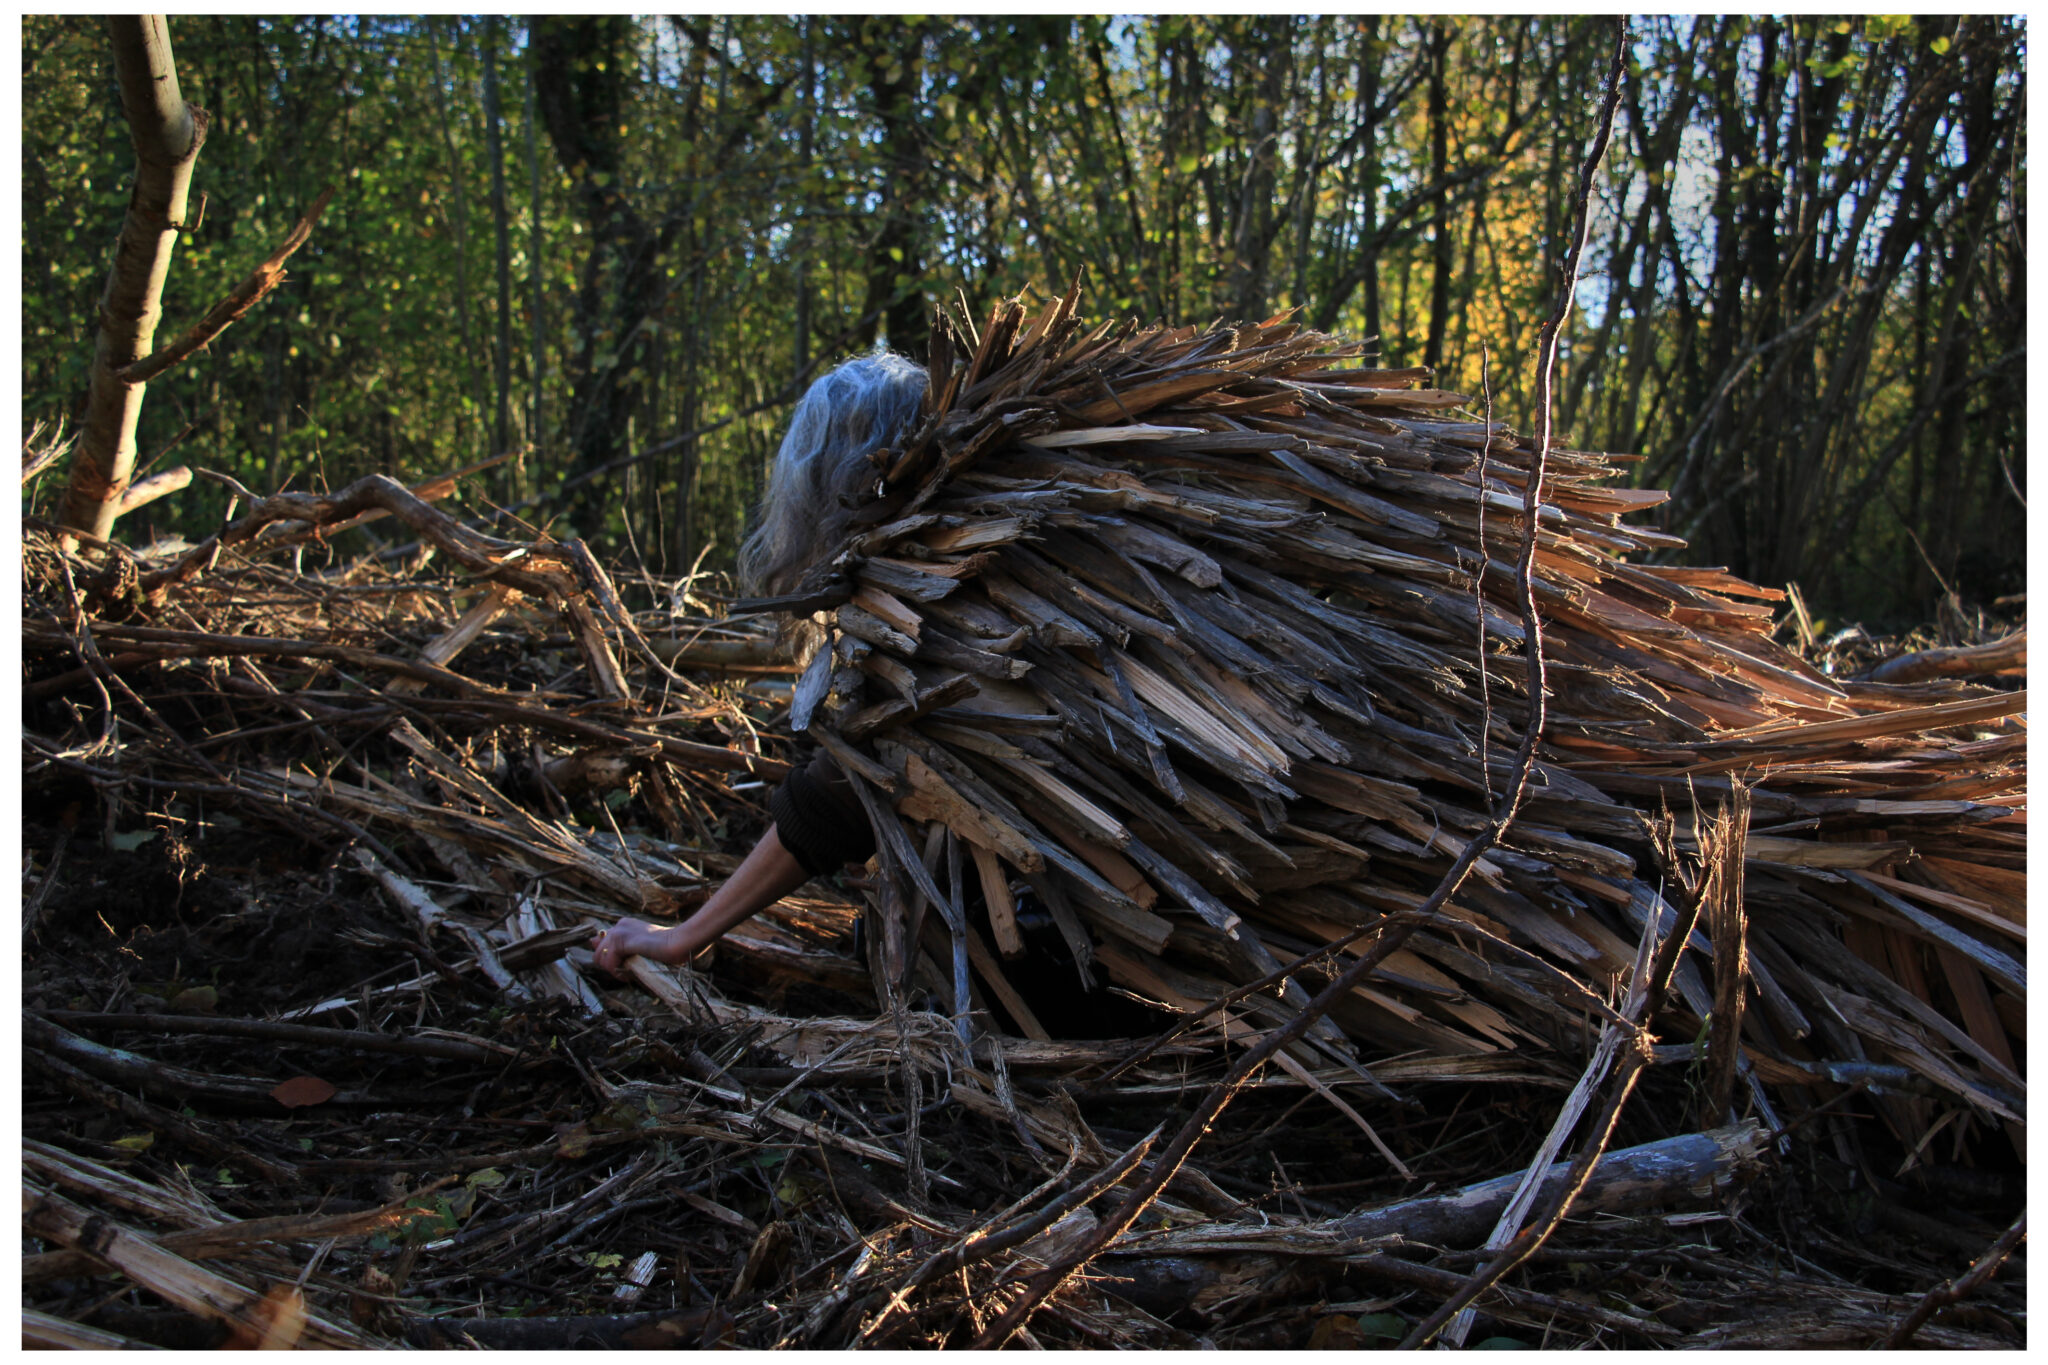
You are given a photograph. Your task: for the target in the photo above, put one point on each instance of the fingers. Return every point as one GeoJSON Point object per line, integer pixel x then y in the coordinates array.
{"type": "Point", "coordinates": [608, 946]}
{"type": "Point", "coordinates": [613, 945]}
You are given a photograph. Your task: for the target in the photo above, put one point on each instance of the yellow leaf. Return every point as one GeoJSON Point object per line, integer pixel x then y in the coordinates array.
{"type": "Point", "coordinates": [139, 1142]}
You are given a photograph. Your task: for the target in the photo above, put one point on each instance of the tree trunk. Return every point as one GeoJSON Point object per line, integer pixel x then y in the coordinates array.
{"type": "Point", "coordinates": [501, 348]}
{"type": "Point", "coordinates": [1182, 140]}
{"type": "Point", "coordinates": [166, 133]}
{"type": "Point", "coordinates": [1304, 195]}
{"type": "Point", "coordinates": [891, 51]}
{"type": "Point", "coordinates": [581, 74]}
{"type": "Point", "coordinates": [536, 363]}
{"type": "Point", "coordinates": [1369, 224]}
{"type": "Point", "coordinates": [806, 152]}
{"type": "Point", "coordinates": [1441, 243]}
{"type": "Point", "coordinates": [1264, 51]}
{"type": "Point", "coordinates": [458, 228]}
{"type": "Point", "coordinates": [697, 135]}
{"type": "Point", "coordinates": [1130, 190]}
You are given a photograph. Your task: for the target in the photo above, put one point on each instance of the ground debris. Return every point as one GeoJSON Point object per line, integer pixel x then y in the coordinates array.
{"type": "Point", "coordinates": [314, 1055]}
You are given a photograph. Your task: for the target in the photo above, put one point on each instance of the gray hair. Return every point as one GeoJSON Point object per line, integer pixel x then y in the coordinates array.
{"type": "Point", "coordinates": [822, 466]}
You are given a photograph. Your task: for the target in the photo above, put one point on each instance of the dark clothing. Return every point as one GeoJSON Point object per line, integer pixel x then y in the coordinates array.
{"type": "Point", "coordinates": [819, 819]}
{"type": "Point", "coordinates": [823, 825]}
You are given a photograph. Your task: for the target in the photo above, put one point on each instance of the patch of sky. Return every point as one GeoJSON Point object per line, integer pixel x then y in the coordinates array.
{"type": "Point", "coordinates": [1123, 43]}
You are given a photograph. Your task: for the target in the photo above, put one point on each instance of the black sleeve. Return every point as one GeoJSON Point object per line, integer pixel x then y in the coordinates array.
{"type": "Point", "coordinates": [819, 819]}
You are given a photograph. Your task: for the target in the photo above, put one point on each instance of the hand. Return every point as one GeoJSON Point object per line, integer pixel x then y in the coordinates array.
{"type": "Point", "coordinates": [631, 938]}
{"type": "Point", "coordinates": [765, 875]}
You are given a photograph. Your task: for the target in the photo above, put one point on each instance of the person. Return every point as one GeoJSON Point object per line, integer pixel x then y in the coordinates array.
{"type": "Point", "coordinates": [816, 479]}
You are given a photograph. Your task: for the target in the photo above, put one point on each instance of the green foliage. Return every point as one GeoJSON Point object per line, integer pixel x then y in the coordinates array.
{"type": "Point", "coordinates": [427, 1222]}
{"type": "Point", "coordinates": [1383, 1326]}
{"type": "Point", "coordinates": [1802, 299]}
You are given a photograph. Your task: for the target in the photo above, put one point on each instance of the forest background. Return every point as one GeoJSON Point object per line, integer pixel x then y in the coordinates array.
{"type": "Point", "coordinates": [622, 246]}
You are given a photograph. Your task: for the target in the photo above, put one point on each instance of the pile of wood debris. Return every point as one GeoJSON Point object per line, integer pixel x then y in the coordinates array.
{"type": "Point", "coordinates": [1212, 611]}
{"type": "Point", "coordinates": [1172, 635]}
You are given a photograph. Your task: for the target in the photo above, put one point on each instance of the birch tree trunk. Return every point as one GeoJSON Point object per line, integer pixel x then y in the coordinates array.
{"type": "Point", "coordinates": [166, 133]}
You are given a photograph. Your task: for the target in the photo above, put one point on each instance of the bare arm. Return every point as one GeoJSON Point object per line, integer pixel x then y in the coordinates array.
{"type": "Point", "coordinates": [767, 874]}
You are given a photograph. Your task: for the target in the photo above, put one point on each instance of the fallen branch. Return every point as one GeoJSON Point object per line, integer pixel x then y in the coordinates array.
{"type": "Point", "coordinates": [159, 1120]}
{"type": "Point", "coordinates": [477, 1050]}
{"type": "Point", "coordinates": [753, 654]}
{"type": "Point", "coordinates": [246, 295]}
{"type": "Point", "coordinates": [408, 895]}
{"type": "Point", "coordinates": [172, 1277]}
{"type": "Point", "coordinates": [1436, 1281]}
{"type": "Point", "coordinates": [168, 1082]}
{"type": "Point", "coordinates": [42, 1332]}
{"type": "Point", "coordinates": [1994, 658]}
{"type": "Point", "coordinates": [161, 644]}
{"type": "Point", "coordinates": [1692, 1167]}
{"type": "Point", "coordinates": [484, 555]}
{"type": "Point", "coordinates": [221, 1240]}
{"type": "Point", "coordinates": [435, 489]}
{"type": "Point", "coordinates": [1954, 1291]}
